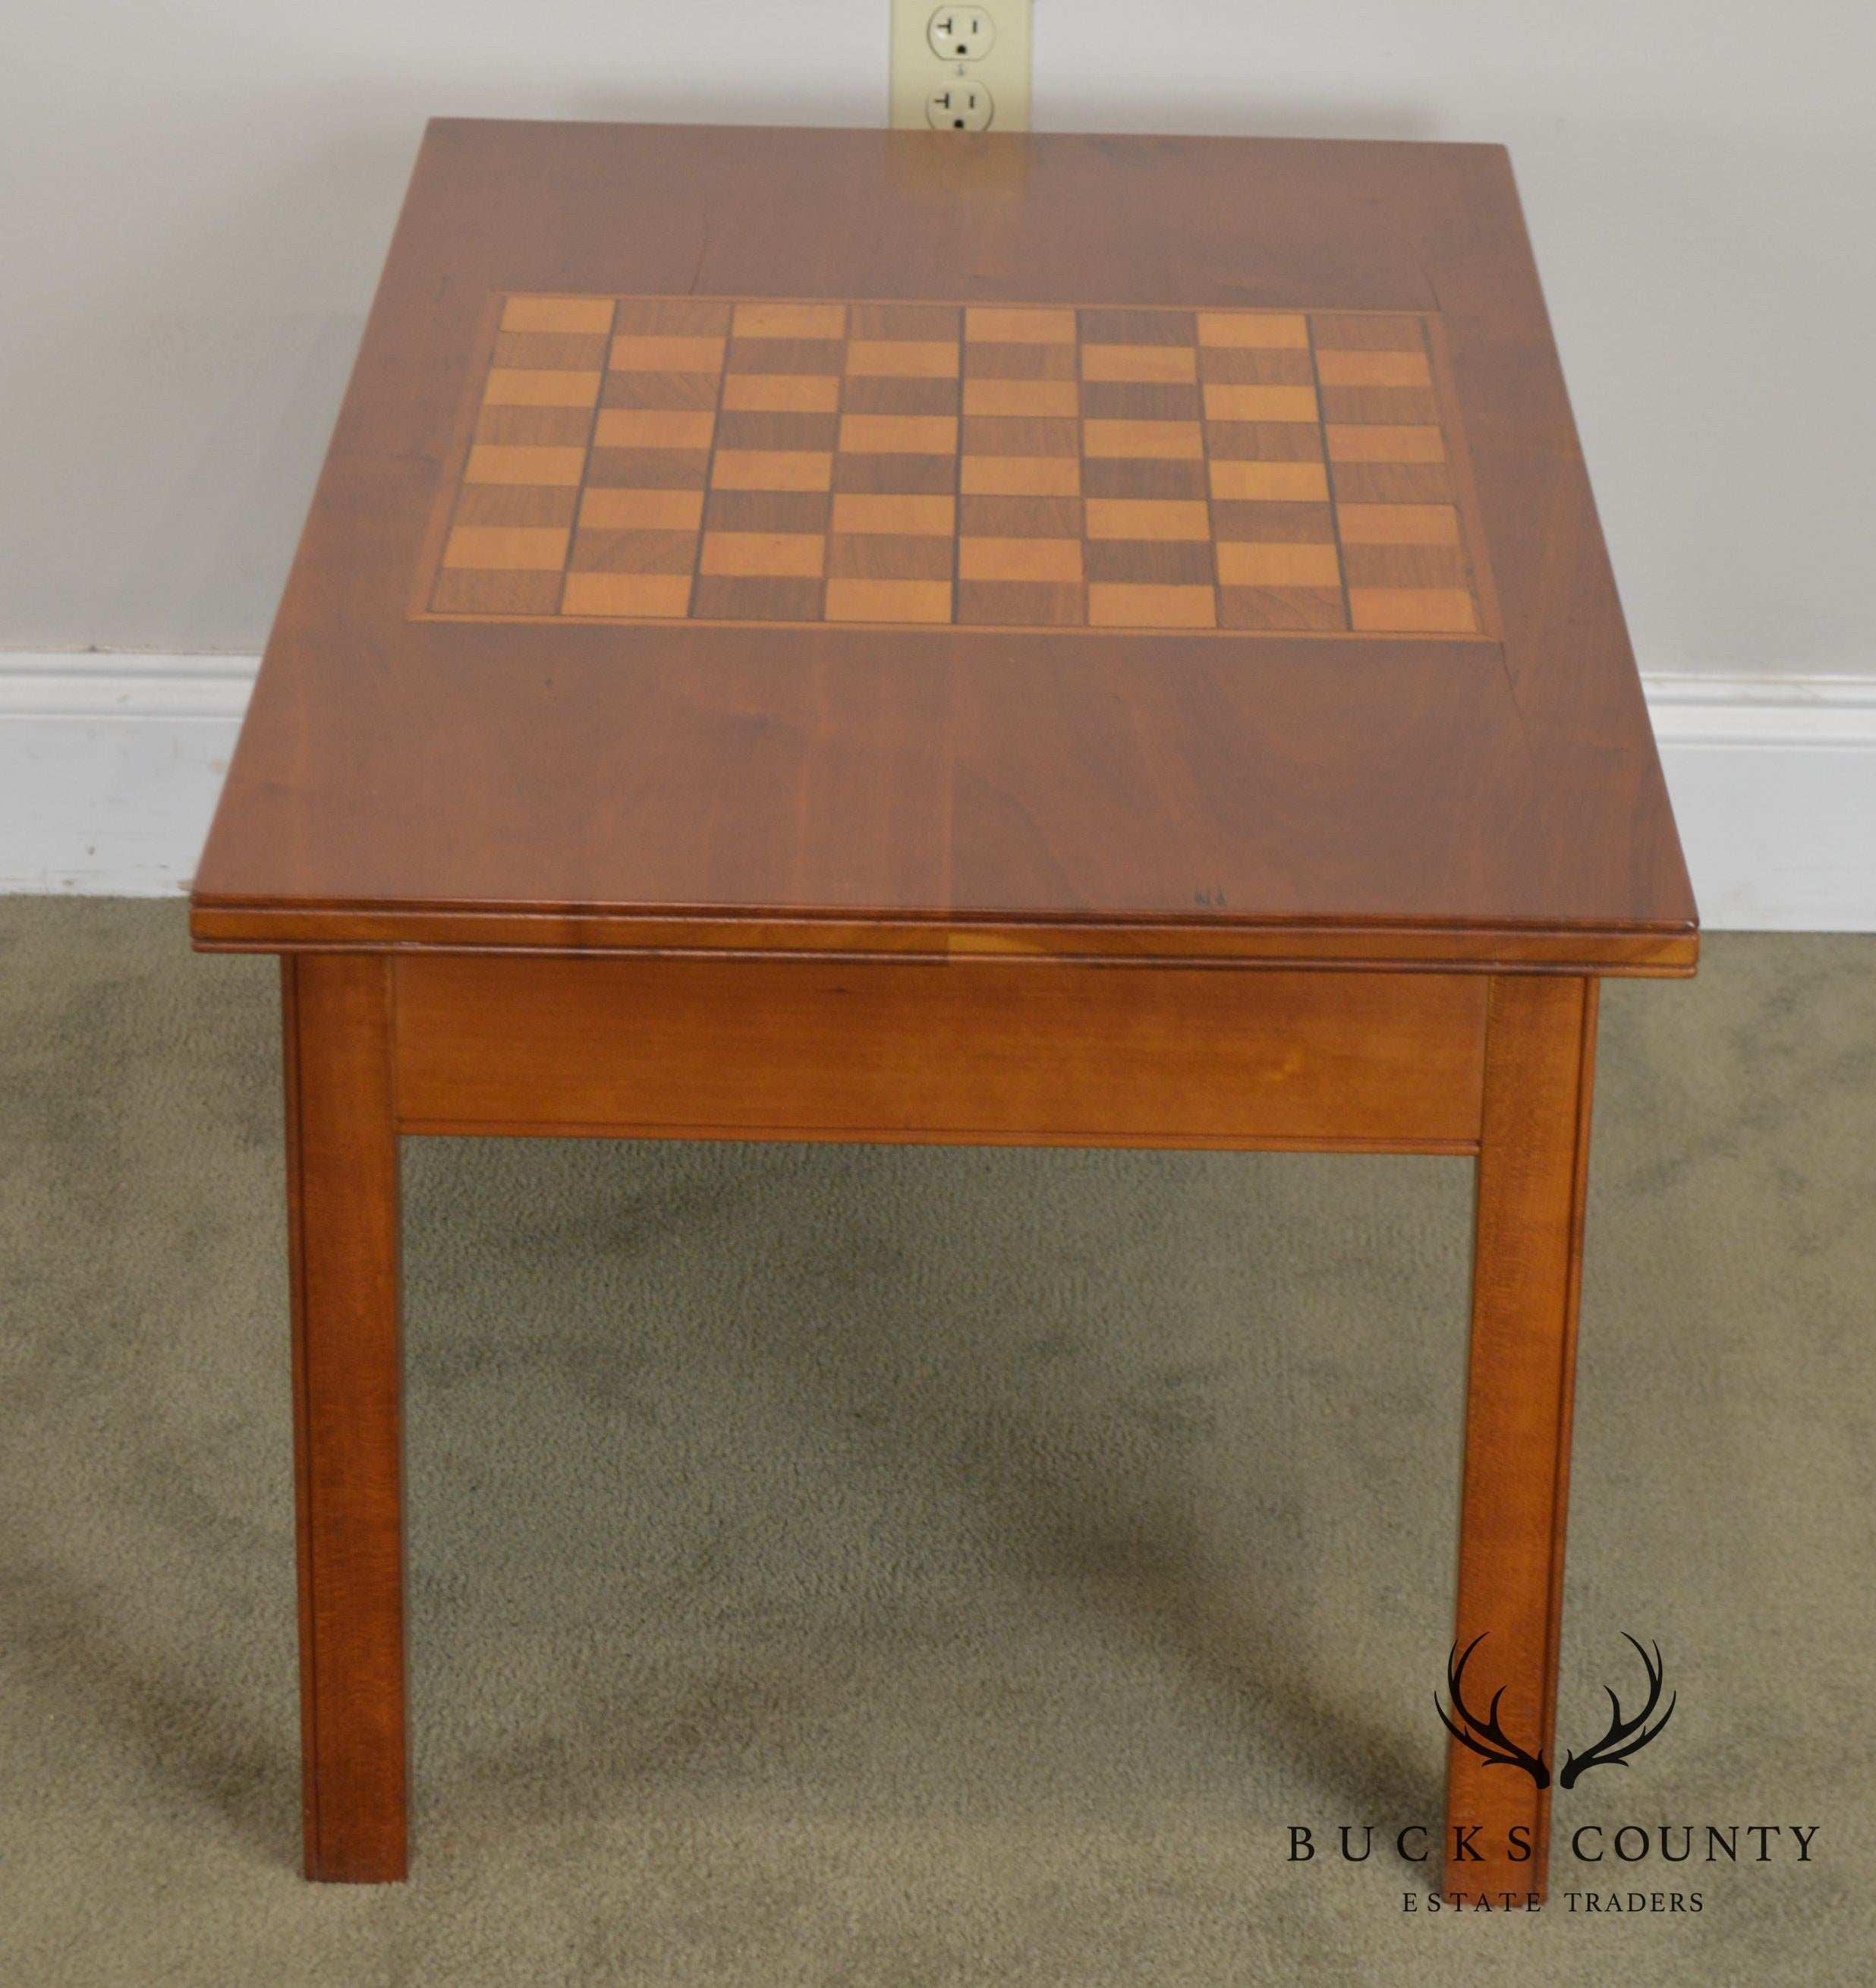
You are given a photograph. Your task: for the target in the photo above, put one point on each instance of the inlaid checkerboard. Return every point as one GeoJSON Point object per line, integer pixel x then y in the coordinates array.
{"type": "Point", "coordinates": [672, 458]}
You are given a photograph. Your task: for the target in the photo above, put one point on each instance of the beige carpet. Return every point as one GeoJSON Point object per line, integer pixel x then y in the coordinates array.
{"type": "Point", "coordinates": [851, 1566]}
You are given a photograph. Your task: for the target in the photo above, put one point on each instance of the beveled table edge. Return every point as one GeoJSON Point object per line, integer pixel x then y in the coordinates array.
{"type": "Point", "coordinates": [1665, 951]}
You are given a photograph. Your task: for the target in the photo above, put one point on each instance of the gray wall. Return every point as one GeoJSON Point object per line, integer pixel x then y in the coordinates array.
{"type": "Point", "coordinates": [195, 196]}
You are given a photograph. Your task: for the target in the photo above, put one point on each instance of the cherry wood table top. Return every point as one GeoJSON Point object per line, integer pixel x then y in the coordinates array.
{"type": "Point", "coordinates": [868, 543]}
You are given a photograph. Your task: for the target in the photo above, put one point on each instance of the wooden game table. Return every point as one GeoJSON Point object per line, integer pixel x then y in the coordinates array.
{"type": "Point", "coordinates": [878, 636]}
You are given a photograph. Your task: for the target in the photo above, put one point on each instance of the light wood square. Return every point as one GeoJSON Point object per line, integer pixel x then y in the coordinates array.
{"type": "Point", "coordinates": [990, 324]}
{"type": "Point", "coordinates": [654, 427]}
{"type": "Point", "coordinates": [587, 314]}
{"type": "Point", "coordinates": [1228, 402]}
{"type": "Point", "coordinates": [641, 510]}
{"type": "Point", "coordinates": [660, 596]}
{"type": "Point", "coordinates": [1147, 518]}
{"type": "Point", "coordinates": [1241, 564]}
{"type": "Point", "coordinates": [506, 547]}
{"type": "Point", "coordinates": [772, 469]}
{"type": "Point", "coordinates": [1018, 558]}
{"type": "Point", "coordinates": [1412, 609]}
{"type": "Point", "coordinates": [899, 435]}
{"type": "Point", "coordinates": [1046, 397]}
{"type": "Point", "coordinates": [515, 387]}
{"type": "Point", "coordinates": [1280, 482]}
{"type": "Point", "coordinates": [1372, 369]}
{"type": "Point", "coordinates": [888, 600]}
{"type": "Point", "coordinates": [1266, 328]}
{"type": "Point", "coordinates": [497, 462]}
{"type": "Point", "coordinates": [798, 554]}
{"type": "Point", "coordinates": [1113, 605]}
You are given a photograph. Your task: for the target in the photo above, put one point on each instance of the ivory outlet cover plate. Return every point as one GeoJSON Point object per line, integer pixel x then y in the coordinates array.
{"type": "Point", "coordinates": [920, 73]}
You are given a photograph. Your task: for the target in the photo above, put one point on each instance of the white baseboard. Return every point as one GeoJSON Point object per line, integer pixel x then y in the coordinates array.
{"type": "Point", "coordinates": [110, 765]}
{"type": "Point", "coordinates": [1773, 780]}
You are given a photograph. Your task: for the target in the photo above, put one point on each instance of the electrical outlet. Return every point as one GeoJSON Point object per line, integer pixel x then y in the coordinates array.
{"type": "Point", "coordinates": [961, 69]}
{"type": "Point", "coordinates": [960, 34]}
{"type": "Point", "coordinates": [960, 106]}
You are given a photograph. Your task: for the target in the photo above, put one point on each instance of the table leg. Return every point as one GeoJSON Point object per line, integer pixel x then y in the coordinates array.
{"type": "Point", "coordinates": [341, 1176]}
{"type": "Point", "coordinates": [1526, 1270]}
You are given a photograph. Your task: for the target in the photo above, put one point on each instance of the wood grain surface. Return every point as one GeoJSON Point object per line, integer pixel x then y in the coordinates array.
{"type": "Point", "coordinates": [1533, 1171]}
{"type": "Point", "coordinates": [342, 1198]}
{"type": "Point", "coordinates": [986, 1052]}
{"type": "Point", "coordinates": [1455, 802]}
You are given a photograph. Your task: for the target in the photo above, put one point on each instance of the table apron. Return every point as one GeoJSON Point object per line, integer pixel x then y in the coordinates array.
{"type": "Point", "coordinates": [963, 1052]}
